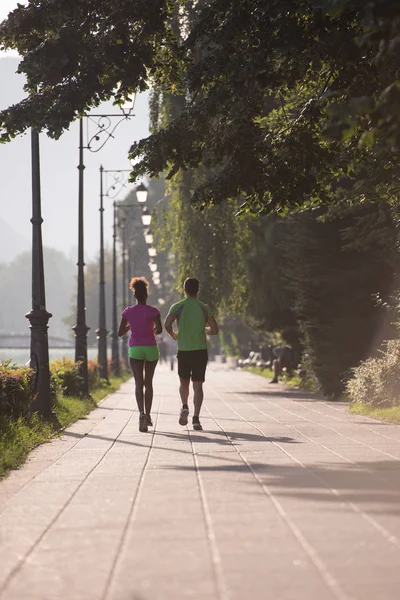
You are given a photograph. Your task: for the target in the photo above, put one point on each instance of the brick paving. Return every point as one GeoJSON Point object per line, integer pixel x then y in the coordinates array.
{"type": "Point", "coordinates": [280, 497]}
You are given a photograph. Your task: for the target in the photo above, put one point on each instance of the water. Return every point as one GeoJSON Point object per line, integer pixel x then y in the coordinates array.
{"type": "Point", "coordinates": [20, 356]}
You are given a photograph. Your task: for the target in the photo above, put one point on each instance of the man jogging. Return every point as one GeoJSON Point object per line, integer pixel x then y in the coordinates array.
{"type": "Point", "coordinates": [195, 320]}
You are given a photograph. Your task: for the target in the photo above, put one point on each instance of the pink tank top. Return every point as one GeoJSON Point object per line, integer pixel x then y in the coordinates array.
{"type": "Point", "coordinates": [141, 321]}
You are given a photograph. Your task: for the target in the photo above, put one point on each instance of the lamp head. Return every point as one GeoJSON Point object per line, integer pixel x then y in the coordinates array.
{"type": "Point", "coordinates": [141, 193]}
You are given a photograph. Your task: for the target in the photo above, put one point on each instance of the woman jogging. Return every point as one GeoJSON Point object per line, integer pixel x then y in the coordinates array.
{"type": "Point", "coordinates": [144, 322]}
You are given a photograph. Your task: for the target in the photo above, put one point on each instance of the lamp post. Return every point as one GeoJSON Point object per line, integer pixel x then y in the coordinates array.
{"type": "Point", "coordinates": [124, 342]}
{"type": "Point", "coordinates": [103, 132]}
{"type": "Point", "coordinates": [119, 179]}
{"type": "Point", "coordinates": [114, 340]}
{"type": "Point", "coordinates": [38, 316]}
{"type": "Point", "coordinates": [141, 196]}
{"type": "Point", "coordinates": [102, 331]}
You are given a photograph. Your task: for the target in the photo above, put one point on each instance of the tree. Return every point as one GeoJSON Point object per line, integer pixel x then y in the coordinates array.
{"type": "Point", "coordinates": [336, 268]}
{"type": "Point", "coordinates": [280, 94]}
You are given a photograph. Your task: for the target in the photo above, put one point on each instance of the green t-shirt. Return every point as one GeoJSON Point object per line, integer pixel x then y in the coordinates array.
{"type": "Point", "coordinates": [192, 316]}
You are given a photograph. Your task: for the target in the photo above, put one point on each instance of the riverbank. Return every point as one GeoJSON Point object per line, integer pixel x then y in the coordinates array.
{"type": "Point", "coordinates": [21, 356]}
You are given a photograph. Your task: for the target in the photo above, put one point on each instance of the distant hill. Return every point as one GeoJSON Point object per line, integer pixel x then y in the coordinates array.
{"type": "Point", "coordinates": [16, 292]}
{"type": "Point", "coordinates": [11, 243]}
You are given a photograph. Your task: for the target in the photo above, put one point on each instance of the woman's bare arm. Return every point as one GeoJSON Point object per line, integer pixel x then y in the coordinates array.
{"type": "Point", "coordinates": [158, 325]}
{"type": "Point", "coordinates": [123, 327]}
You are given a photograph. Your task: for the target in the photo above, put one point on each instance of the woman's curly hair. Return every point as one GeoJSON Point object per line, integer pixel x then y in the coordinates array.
{"type": "Point", "coordinates": [140, 287]}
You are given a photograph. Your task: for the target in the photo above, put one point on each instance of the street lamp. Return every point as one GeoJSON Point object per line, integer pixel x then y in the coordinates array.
{"type": "Point", "coordinates": [141, 196]}
{"type": "Point", "coordinates": [148, 236]}
{"type": "Point", "coordinates": [119, 179]}
{"type": "Point", "coordinates": [146, 217]}
{"type": "Point", "coordinates": [38, 316]}
{"type": "Point", "coordinates": [141, 193]}
{"type": "Point", "coordinates": [104, 131]}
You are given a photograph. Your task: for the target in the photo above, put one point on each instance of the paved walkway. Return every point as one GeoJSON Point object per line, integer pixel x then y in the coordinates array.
{"type": "Point", "coordinates": [281, 497]}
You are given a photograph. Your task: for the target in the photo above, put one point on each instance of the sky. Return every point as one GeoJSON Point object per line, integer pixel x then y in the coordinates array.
{"type": "Point", "coordinates": [59, 173]}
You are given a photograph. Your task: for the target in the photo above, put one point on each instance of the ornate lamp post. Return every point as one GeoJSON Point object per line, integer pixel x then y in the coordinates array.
{"type": "Point", "coordinates": [38, 316]}
{"type": "Point", "coordinates": [103, 132]}
{"type": "Point", "coordinates": [119, 180]}
{"type": "Point", "coordinates": [115, 343]}
{"type": "Point", "coordinates": [102, 331]}
{"type": "Point", "coordinates": [141, 196]}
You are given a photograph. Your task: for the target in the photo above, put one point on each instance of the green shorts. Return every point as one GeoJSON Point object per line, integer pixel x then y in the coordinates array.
{"type": "Point", "coordinates": [149, 353]}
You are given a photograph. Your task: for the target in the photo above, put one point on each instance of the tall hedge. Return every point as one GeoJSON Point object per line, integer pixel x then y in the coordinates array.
{"type": "Point", "coordinates": [337, 266]}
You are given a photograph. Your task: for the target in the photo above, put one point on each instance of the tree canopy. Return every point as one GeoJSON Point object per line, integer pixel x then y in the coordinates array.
{"type": "Point", "coordinates": [287, 102]}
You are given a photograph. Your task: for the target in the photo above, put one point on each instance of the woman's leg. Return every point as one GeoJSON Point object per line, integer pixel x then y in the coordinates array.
{"type": "Point", "coordinates": [137, 370]}
{"type": "Point", "coordinates": [149, 368]}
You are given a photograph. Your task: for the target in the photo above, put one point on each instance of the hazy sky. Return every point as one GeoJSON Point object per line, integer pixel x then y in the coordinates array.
{"type": "Point", "coordinates": [59, 174]}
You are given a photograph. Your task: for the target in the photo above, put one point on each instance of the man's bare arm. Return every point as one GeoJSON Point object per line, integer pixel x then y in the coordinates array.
{"type": "Point", "coordinates": [212, 326]}
{"type": "Point", "coordinates": [171, 317]}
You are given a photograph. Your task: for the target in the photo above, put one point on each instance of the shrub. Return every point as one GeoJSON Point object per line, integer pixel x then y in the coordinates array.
{"type": "Point", "coordinates": [16, 389]}
{"type": "Point", "coordinates": [65, 375]}
{"type": "Point", "coordinates": [93, 375]}
{"type": "Point", "coordinates": [377, 380]}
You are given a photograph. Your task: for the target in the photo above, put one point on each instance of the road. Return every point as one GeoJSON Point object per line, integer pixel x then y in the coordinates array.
{"type": "Point", "coordinates": [281, 496]}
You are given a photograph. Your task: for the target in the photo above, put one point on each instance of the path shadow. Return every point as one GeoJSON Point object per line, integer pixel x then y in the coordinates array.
{"type": "Point", "coordinates": [219, 439]}
{"type": "Point", "coordinates": [222, 438]}
{"type": "Point", "coordinates": [354, 485]}
{"type": "Point", "coordinates": [304, 396]}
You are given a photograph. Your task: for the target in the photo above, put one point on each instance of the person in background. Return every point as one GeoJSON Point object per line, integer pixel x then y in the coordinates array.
{"type": "Point", "coordinates": [195, 320]}
{"type": "Point", "coordinates": [284, 359]}
{"type": "Point", "coordinates": [144, 322]}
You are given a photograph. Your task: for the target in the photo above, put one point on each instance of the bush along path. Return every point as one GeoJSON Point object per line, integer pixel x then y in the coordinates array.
{"type": "Point", "coordinates": [374, 388]}
{"type": "Point", "coordinates": [21, 431]}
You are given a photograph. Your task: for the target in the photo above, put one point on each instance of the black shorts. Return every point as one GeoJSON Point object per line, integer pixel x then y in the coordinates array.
{"type": "Point", "coordinates": [192, 364]}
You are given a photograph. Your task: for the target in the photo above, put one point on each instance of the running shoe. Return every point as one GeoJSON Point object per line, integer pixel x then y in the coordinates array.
{"type": "Point", "coordinates": [183, 417]}
{"type": "Point", "coordinates": [196, 424]}
{"type": "Point", "coordinates": [143, 423]}
{"type": "Point", "coordinates": [149, 421]}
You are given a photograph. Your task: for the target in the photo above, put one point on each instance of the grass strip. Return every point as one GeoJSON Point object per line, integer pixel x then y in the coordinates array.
{"type": "Point", "coordinates": [18, 437]}
{"type": "Point", "coordinates": [391, 415]}
{"type": "Point", "coordinates": [294, 381]}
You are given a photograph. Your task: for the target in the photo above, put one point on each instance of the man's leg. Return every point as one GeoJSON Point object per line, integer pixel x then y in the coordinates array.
{"type": "Point", "coordinates": [184, 390]}
{"type": "Point", "coordinates": [184, 393]}
{"type": "Point", "coordinates": [198, 397]}
{"type": "Point", "coordinates": [184, 379]}
{"type": "Point", "coordinates": [198, 377]}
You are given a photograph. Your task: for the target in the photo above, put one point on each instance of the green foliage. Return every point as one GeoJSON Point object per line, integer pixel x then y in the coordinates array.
{"type": "Point", "coordinates": [18, 437]}
{"type": "Point", "coordinates": [207, 244]}
{"type": "Point", "coordinates": [375, 382]}
{"type": "Point", "coordinates": [93, 374]}
{"type": "Point", "coordinates": [16, 388]}
{"type": "Point", "coordinates": [270, 304]}
{"type": "Point", "coordinates": [334, 284]}
{"type": "Point", "coordinates": [65, 374]}
{"type": "Point", "coordinates": [391, 415]}
{"type": "Point", "coordinates": [277, 99]}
